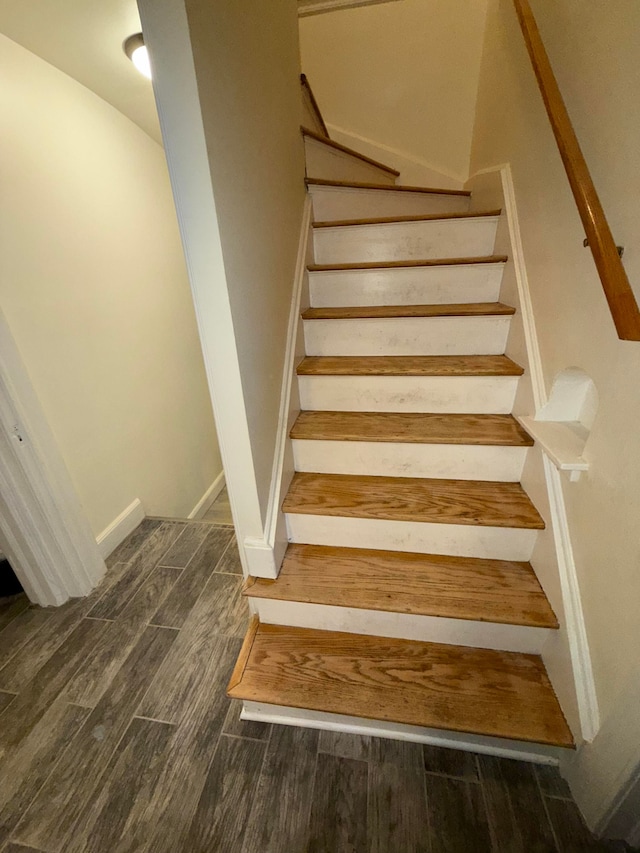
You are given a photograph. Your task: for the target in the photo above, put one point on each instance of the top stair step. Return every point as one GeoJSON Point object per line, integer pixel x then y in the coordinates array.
{"type": "Point", "coordinates": [334, 161]}
{"type": "Point", "coordinates": [397, 188]}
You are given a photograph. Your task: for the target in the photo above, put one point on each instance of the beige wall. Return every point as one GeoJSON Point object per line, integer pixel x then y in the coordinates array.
{"type": "Point", "coordinates": [404, 75]}
{"type": "Point", "coordinates": [94, 288]}
{"type": "Point", "coordinates": [247, 67]}
{"type": "Point", "coordinates": [593, 49]}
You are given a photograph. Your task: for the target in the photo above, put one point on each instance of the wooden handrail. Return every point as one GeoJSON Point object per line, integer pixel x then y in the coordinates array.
{"type": "Point", "coordinates": [618, 292]}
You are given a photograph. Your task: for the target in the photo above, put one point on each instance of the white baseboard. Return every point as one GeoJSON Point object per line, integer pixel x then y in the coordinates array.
{"type": "Point", "coordinates": [535, 753]}
{"type": "Point", "coordinates": [264, 555]}
{"type": "Point", "coordinates": [413, 170]}
{"type": "Point", "coordinates": [120, 528]}
{"type": "Point", "coordinates": [208, 498]}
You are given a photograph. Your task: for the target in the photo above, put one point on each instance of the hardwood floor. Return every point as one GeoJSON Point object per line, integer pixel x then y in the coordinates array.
{"type": "Point", "coordinates": [85, 770]}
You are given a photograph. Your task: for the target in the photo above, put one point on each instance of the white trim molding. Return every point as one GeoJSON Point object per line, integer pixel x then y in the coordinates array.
{"type": "Point", "coordinates": [576, 642]}
{"type": "Point", "coordinates": [120, 528]}
{"type": "Point", "coordinates": [44, 530]}
{"type": "Point", "coordinates": [503, 747]}
{"type": "Point", "coordinates": [265, 554]}
{"type": "Point", "coordinates": [208, 498]}
{"type": "Point", "coordinates": [317, 7]}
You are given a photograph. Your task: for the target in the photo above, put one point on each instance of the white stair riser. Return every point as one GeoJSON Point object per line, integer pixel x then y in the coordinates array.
{"type": "Point", "coordinates": [518, 750]}
{"type": "Point", "coordinates": [390, 459]}
{"type": "Point", "coordinates": [349, 203]}
{"type": "Point", "coordinates": [453, 394]}
{"type": "Point", "coordinates": [323, 161]}
{"type": "Point", "coordinates": [406, 286]}
{"type": "Point", "coordinates": [458, 540]}
{"type": "Point", "coordinates": [408, 336]}
{"type": "Point", "coordinates": [406, 626]}
{"type": "Point", "coordinates": [406, 241]}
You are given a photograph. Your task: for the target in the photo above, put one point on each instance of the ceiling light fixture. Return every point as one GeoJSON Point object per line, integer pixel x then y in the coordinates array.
{"type": "Point", "coordinates": [135, 49]}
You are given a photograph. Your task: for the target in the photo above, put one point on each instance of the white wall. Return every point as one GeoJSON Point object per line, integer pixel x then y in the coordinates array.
{"type": "Point", "coordinates": [247, 67]}
{"type": "Point", "coordinates": [403, 75]}
{"type": "Point", "coordinates": [593, 49]}
{"type": "Point", "coordinates": [95, 290]}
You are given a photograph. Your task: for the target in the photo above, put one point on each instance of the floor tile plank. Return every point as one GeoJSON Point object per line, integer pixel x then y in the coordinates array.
{"type": "Point", "coordinates": [186, 545]}
{"type": "Point", "coordinates": [127, 550]}
{"type": "Point", "coordinates": [230, 562]}
{"type": "Point", "coordinates": [223, 809]}
{"type": "Point", "coordinates": [155, 546]}
{"type": "Point", "coordinates": [571, 833]}
{"type": "Point", "coordinates": [27, 766]}
{"type": "Point", "coordinates": [282, 806]}
{"type": "Point", "coordinates": [514, 805]}
{"type": "Point", "coordinates": [397, 799]}
{"type": "Point", "coordinates": [339, 812]}
{"type": "Point", "coordinates": [93, 678]}
{"type": "Point", "coordinates": [10, 607]}
{"type": "Point", "coordinates": [457, 817]}
{"type": "Point", "coordinates": [344, 745]}
{"type": "Point", "coordinates": [21, 630]}
{"type": "Point", "coordinates": [49, 820]}
{"type": "Point", "coordinates": [28, 661]}
{"type": "Point", "coordinates": [174, 611]}
{"type": "Point", "coordinates": [551, 782]}
{"type": "Point", "coordinates": [450, 762]}
{"type": "Point", "coordinates": [217, 612]}
{"type": "Point", "coordinates": [253, 729]}
{"type": "Point", "coordinates": [33, 701]}
{"type": "Point", "coordinates": [163, 824]}
{"type": "Point", "coordinates": [128, 781]}
{"type": "Point", "coordinates": [6, 699]}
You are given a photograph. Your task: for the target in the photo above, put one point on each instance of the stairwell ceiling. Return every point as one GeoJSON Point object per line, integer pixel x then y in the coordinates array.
{"type": "Point", "coordinates": [83, 38]}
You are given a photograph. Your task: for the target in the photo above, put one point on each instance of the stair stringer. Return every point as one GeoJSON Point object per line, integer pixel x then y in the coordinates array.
{"type": "Point", "coordinates": [265, 555]}
{"type": "Point", "coordinates": [566, 652]}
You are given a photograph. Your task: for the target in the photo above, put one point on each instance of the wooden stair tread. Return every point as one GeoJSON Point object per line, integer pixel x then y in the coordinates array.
{"type": "Point", "coordinates": [409, 365]}
{"type": "Point", "coordinates": [411, 428]}
{"type": "Point", "coordinates": [455, 688]}
{"type": "Point", "coordinates": [399, 582]}
{"type": "Point", "coordinates": [331, 143]}
{"type": "Point", "coordinates": [379, 312]}
{"type": "Point", "coordinates": [468, 502]}
{"type": "Point", "coordinates": [364, 185]}
{"type": "Point", "coordinates": [390, 220]}
{"type": "Point", "coordinates": [389, 265]}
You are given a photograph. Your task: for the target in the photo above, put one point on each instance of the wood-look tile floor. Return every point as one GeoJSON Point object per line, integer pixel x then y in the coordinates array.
{"type": "Point", "coordinates": [116, 736]}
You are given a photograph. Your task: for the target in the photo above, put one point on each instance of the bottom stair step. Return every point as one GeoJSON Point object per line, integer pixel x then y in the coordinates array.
{"type": "Point", "coordinates": [455, 688]}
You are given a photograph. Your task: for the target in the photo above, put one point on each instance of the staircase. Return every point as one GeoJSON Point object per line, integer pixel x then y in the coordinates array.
{"type": "Point", "coordinates": [405, 597]}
